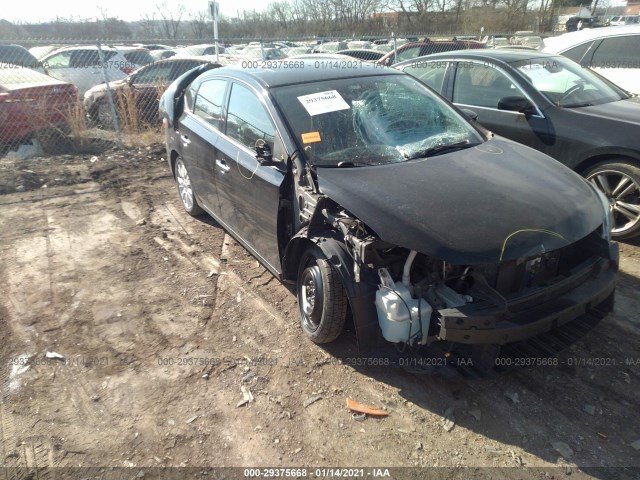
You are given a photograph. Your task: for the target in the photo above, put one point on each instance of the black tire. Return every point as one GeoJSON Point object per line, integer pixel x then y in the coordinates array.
{"type": "Point", "coordinates": [185, 189]}
{"type": "Point", "coordinates": [322, 300]}
{"type": "Point", "coordinates": [620, 182]}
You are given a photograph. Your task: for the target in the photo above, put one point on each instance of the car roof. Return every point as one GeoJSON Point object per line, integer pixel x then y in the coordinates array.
{"type": "Point", "coordinates": [504, 55]}
{"type": "Point", "coordinates": [567, 40]}
{"type": "Point", "coordinates": [310, 71]}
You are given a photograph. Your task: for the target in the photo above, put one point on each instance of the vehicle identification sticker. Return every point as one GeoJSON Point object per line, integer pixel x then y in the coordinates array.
{"type": "Point", "coordinates": [311, 137]}
{"type": "Point", "coordinates": [323, 102]}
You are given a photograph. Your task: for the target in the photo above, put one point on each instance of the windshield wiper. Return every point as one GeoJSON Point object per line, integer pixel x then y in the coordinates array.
{"type": "Point", "coordinates": [440, 149]}
{"type": "Point", "coordinates": [578, 105]}
{"type": "Point", "coordinates": [350, 163]}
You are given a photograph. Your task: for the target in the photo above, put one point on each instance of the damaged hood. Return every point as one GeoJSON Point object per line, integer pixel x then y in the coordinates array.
{"type": "Point", "coordinates": [495, 202]}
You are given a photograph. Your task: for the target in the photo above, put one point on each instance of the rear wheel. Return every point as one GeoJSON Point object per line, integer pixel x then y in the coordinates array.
{"type": "Point", "coordinates": [620, 182]}
{"type": "Point", "coordinates": [185, 189]}
{"type": "Point", "coordinates": [322, 300]}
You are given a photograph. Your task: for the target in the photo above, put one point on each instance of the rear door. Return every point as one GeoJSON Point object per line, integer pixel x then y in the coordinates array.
{"type": "Point", "coordinates": [248, 193]}
{"type": "Point", "coordinates": [479, 86]}
{"type": "Point", "coordinates": [201, 127]}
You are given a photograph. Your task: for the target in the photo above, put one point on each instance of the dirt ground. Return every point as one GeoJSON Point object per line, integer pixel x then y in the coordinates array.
{"type": "Point", "coordinates": [162, 319]}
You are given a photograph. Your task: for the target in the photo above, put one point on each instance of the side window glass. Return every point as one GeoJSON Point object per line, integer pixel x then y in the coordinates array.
{"type": "Point", "coordinates": [618, 52]}
{"type": "Point", "coordinates": [155, 74]}
{"type": "Point", "coordinates": [481, 85]}
{"type": "Point", "coordinates": [431, 73]}
{"type": "Point", "coordinates": [407, 53]}
{"type": "Point", "coordinates": [247, 120]}
{"type": "Point", "coordinates": [61, 60]}
{"type": "Point", "coordinates": [577, 53]}
{"type": "Point", "coordinates": [208, 103]}
{"type": "Point", "coordinates": [85, 58]}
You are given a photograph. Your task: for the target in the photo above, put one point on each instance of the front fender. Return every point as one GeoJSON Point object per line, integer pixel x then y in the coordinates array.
{"type": "Point", "coordinates": [361, 295]}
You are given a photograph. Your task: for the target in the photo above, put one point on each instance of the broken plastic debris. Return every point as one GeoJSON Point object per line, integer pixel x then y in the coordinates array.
{"type": "Point", "coordinates": [449, 421]}
{"type": "Point", "coordinates": [563, 449]}
{"type": "Point", "coordinates": [366, 409]}
{"type": "Point", "coordinates": [359, 417]}
{"type": "Point", "coordinates": [247, 396]}
{"type": "Point", "coordinates": [54, 355]}
{"type": "Point", "coordinates": [311, 400]}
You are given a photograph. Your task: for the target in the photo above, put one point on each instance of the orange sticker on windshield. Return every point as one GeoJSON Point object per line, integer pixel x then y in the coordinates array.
{"type": "Point", "coordinates": [311, 137]}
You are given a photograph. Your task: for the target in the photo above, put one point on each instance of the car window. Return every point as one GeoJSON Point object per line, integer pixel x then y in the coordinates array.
{"type": "Point", "coordinates": [618, 52]}
{"type": "Point", "coordinates": [577, 53]}
{"type": "Point", "coordinates": [209, 100]}
{"type": "Point", "coordinates": [59, 60]}
{"type": "Point", "coordinates": [85, 58]}
{"type": "Point", "coordinates": [17, 56]}
{"type": "Point", "coordinates": [482, 85]}
{"type": "Point", "coordinates": [566, 83]}
{"type": "Point", "coordinates": [155, 74]}
{"type": "Point", "coordinates": [247, 119]}
{"type": "Point", "coordinates": [407, 53]}
{"type": "Point", "coordinates": [139, 57]}
{"type": "Point", "coordinates": [431, 73]}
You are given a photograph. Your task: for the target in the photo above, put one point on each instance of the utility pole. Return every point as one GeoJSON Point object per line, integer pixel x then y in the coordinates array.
{"type": "Point", "coordinates": [214, 11]}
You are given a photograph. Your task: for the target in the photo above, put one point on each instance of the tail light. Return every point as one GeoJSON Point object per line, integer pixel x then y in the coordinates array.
{"type": "Point", "coordinates": [127, 70]}
{"type": "Point", "coordinates": [8, 98]}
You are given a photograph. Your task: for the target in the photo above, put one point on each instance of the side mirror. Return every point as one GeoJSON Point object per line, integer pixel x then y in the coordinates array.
{"type": "Point", "coordinates": [470, 114]}
{"type": "Point", "coordinates": [516, 104]}
{"type": "Point", "coordinates": [264, 155]}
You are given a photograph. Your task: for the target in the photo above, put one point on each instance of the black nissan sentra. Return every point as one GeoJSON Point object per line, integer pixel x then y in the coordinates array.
{"type": "Point", "coordinates": [381, 201]}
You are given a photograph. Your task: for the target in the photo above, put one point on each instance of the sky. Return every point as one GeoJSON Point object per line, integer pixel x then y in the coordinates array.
{"type": "Point", "coordinates": [33, 11]}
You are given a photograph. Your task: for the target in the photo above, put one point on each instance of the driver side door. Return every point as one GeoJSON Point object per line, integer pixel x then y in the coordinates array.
{"type": "Point", "coordinates": [479, 86]}
{"type": "Point", "coordinates": [248, 193]}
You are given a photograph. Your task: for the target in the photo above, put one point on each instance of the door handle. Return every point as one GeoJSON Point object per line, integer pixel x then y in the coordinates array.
{"type": "Point", "coordinates": [185, 140]}
{"type": "Point", "coordinates": [223, 166]}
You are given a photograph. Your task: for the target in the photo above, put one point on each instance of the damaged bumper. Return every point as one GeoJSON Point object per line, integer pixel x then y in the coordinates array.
{"type": "Point", "coordinates": [590, 287]}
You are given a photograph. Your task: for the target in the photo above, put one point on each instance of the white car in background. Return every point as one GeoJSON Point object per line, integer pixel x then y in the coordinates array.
{"type": "Point", "coordinates": [83, 67]}
{"type": "Point", "coordinates": [613, 52]}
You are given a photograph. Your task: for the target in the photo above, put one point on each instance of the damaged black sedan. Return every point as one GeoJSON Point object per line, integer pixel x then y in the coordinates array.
{"type": "Point", "coordinates": [382, 202]}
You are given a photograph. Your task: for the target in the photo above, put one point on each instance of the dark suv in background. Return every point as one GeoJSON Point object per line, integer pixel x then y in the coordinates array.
{"type": "Point", "coordinates": [579, 23]}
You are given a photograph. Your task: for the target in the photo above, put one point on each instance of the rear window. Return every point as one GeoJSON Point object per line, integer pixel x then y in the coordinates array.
{"type": "Point", "coordinates": [139, 57]}
{"type": "Point", "coordinates": [16, 55]}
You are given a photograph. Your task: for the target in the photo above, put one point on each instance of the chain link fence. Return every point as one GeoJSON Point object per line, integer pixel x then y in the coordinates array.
{"type": "Point", "coordinates": [65, 97]}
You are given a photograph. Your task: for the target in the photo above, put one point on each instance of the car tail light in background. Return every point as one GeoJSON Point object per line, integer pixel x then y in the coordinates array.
{"type": "Point", "coordinates": [128, 70]}
{"type": "Point", "coordinates": [8, 98]}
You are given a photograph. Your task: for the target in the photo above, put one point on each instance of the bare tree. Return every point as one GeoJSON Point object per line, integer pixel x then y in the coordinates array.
{"type": "Point", "coordinates": [200, 24]}
{"type": "Point", "coordinates": [170, 19]}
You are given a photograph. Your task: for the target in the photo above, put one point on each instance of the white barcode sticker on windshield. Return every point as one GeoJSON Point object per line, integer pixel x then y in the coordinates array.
{"type": "Point", "coordinates": [323, 102]}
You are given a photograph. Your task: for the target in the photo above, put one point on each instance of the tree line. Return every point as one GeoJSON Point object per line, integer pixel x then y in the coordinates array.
{"type": "Point", "coordinates": [309, 18]}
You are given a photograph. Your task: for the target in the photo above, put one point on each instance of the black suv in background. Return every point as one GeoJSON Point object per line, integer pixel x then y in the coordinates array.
{"type": "Point", "coordinates": [578, 23]}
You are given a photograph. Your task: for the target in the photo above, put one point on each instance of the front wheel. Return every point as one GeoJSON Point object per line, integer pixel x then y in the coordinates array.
{"type": "Point", "coordinates": [322, 300]}
{"type": "Point", "coordinates": [620, 182]}
{"type": "Point", "coordinates": [187, 195]}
